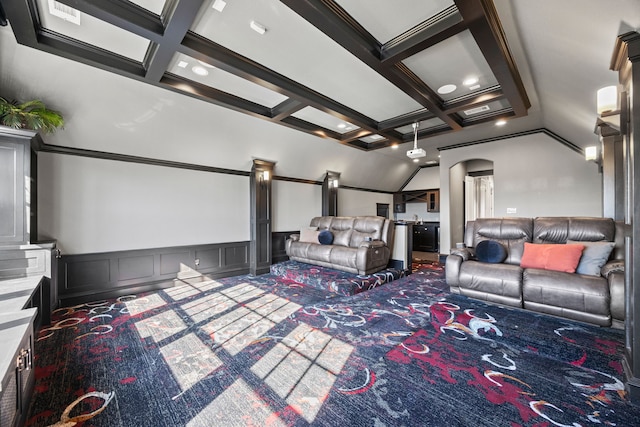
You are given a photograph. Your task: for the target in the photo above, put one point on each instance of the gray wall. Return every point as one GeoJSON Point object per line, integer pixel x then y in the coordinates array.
{"type": "Point", "coordinates": [360, 203]}
{"type": "Point", "coordinates": [534, 174]}
{"type": "Point", "coordinates": [294, 204]}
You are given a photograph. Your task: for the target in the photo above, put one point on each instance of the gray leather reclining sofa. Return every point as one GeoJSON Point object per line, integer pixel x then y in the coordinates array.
{"type": "Point", "coordinates": [361, 245]}
{"type": "Point", "coordinates": [594, 299]}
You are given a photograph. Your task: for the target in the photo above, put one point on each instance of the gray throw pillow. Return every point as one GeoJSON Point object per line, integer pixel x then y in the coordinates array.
{"type": "Point", "coordinates": [594, 256]}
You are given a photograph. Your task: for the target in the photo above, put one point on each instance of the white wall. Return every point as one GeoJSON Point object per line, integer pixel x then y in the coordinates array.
{"type": "Point", "coordinates": [425, 179]}
{"type": "Point", "coordinates": [92, 205]}
{"type": "Point", "coordinates": [360, 203]}
{"type": "Point", "coordinates": [534, 174]}
{"type": "Point", "coordinates": [294, 204]}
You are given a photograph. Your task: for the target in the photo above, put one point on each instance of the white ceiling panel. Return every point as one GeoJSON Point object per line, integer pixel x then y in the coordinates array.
{"type": "Point", "coordinates": [437, 67]}
{"type": "Point", "coordinates": [327, 121]}
{"type": "Point", "coordinates": [201, 72]}
{"type": "Point", "coordinates": [93, 31]}
{"type": "Point", "coordinates": [154, 6]}
{"type": "Point", "coordinates": [386, 19]}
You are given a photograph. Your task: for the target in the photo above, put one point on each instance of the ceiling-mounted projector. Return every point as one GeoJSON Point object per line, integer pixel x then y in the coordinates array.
{"type": "Point", "coordinates": [416, 153]}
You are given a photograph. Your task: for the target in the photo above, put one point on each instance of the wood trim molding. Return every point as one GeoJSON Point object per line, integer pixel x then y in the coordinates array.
{"type": "Point", "coordinates": [110, 274]}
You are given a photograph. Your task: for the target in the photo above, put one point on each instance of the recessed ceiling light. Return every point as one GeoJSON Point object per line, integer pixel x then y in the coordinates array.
{"type": "Point", "coordinates": [443, 90]}
{"type": "Point", "coordinates": [474, 87]}
{"type": "Point", "coordinates": [219, 5]}
{"type": "Point", "coordinates": [501, 122]}
{"type": "Point", "coordinates": [416, 160]}
{"type": "Point", "coordinates": [394, 146]}
{"type": "Point", "coordinates": [431, 162]}
{"type": "Point", "coordinates": [201, 71]}
{"type": "Point", "coordinates": [342, 125]}
{"type": "Point", "coordinates": [183, 64]}
{"type": "Point", "coordinates": [470, 81]}
{"type": "Point", "coordinates": [375, 137]}
{"type": "Point", "coordinates": [258, 27]}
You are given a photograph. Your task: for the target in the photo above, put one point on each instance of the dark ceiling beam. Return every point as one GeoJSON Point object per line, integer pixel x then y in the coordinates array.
{"type": "Point", "coordinates": [476, 100]}
{"type": "Point", "coordinates": [219, 56]}
{"type": "Point", "coordinates": [21, 16]}
{"type": "Point", "coordinates": [49, 41]}
{"type": "Point", "coordinates": [286, 108]}
{"type": "Point", "coordinates": [413, 117]}
{"type": "Point", "coordinates": [178, 21]}
{"type": "Point", "coordinates": [432, 31]}
{"type": "Point", "coordinates": [485, 27]}
{"type": "Point", "coordinates": [214, 96]}
{"type": "Point", "coordinates": [305, 126]}
{"type": "Point", "coordinates": [337, 24]}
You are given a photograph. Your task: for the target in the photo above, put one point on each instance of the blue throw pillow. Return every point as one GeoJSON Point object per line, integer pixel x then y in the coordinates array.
{"type": "Point", "coordinates": [325, 237]}
{"type": "Point", "coordinates": [490, 251]}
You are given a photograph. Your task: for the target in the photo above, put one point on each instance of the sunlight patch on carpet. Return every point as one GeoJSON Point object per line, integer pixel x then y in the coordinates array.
{"type": "Point", "coordinates": [161, 326]}
{"type": "Point", "coordinates": [144, 304]}
{"type": "Point", "coordinates": [190, 360]}
{"type": "Point", "coordinates": [302, 368]}
{"type": "Point", "coordinates": [237, 405]}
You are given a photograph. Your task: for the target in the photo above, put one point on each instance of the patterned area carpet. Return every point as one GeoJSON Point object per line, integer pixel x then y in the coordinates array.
{"type": "Point", "coordinates": [331, 280]}
{"type": "Point", "coordinates": [266, 351]}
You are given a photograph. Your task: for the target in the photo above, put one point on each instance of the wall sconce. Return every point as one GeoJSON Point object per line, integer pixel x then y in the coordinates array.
{"type": "Point", "coordinates": [265, 175]}
{"type": "Point", "coordinates": [335, 183]}
{"type": "Point", "coordinates": [591, 153]}
{"type": "Point", "coordinates": [607, 99]}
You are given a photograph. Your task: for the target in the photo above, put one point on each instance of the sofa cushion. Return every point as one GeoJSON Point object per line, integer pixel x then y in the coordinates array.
{"type": "Point", "coordinates": [490, 251]}
{"type": "Point", "coordinates": [309, 235]}
{"type": "Point", "coordinates": [567, 295]}
{"type": "Point", "coordinates": [325, 237]}
{"type": "Point", "coordinates": [551, 257]}
{"type": "Point", "coordinates": [594, 256]}
{"type": "Point", "coordinates": [512, 233]}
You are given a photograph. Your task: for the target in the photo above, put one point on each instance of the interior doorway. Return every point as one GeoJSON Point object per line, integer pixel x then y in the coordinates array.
{"type": "Point", "coordinates": [478, 197]}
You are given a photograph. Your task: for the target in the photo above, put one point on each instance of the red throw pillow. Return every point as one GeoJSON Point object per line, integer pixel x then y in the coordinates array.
{"type": "Point", "coordinates": [551, 257]}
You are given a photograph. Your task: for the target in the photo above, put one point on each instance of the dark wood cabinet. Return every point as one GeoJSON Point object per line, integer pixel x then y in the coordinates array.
{"type": "Point", "coordinates": [426, 237]}
{"type": "Point", "coordinates": [398, 203]}
{"type": "Point", "coordinates": [433, 200]}
{"type": "Point", "coordinates": [430, 197]}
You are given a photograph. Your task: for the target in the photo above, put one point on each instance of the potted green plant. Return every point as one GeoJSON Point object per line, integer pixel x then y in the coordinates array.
{"type": "Point", "coordinates": [32, 115]}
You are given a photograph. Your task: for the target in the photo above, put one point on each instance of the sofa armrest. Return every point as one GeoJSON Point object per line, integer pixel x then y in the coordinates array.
{"type": "Point", "coordinates": [372, 244]}
{"type": "Point", "coordinates": [616, 291]}
{"type": "Point", "coordinates": [615, 266]}
{"type": "Point", "coordinates": [452, 272]}
{"type": "Point", "coordinates": [465, 253]}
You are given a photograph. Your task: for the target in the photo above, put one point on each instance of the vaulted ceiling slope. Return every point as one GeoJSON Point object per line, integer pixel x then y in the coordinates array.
{"type": "Point", "coordinates": [359, 72]}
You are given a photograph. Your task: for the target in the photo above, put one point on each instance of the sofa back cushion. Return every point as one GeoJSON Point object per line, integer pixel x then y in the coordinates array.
{"type": "Point", "coordinates": [581, 229]}
{"type": "Point", "coordinates": [366, 227]}
{"type": "Point", "coordinates": [511, 233]}
{"type": "Point", "coordinates": [352, 231]}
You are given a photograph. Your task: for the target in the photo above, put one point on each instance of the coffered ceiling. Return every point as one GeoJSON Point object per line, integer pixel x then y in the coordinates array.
{"type": "Point", "coordinates": [358, 72]}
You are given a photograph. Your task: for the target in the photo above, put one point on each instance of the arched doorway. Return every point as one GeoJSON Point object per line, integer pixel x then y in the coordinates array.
{"type": "Point", "coordinates": [470, 194]}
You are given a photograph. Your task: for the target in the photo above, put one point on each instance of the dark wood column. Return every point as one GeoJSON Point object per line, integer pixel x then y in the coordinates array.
{"type": "Point", "coordinates": [330, 194]}
{"type": "Point", "coordinates": [626, 60]}
{"type": "Point", "coordinates": [260, 194]}
{"type": "Point", "coordinates": [612, 168]}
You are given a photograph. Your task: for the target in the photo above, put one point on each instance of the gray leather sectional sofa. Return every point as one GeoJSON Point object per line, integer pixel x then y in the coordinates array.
{"type": "Point", "coordinates": [361, 245]}
{"type": "Point", "coordinates": [596, 299]}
